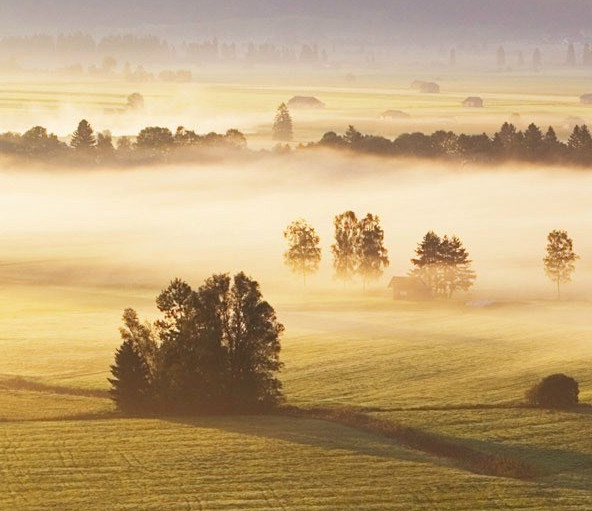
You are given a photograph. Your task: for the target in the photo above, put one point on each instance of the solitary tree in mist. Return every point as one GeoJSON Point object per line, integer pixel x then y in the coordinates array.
{"type": "Point", "coordinates": [304, 254]}
{"type": "Point", "coordinates": [443, 265]}
{"type": "Point", "coordinates": [135, 101]}
{"type": "Point", "coordinates": [452, 57]}
{"type": "Point", "coordinates": [344, 249]}
{"type": "Point", "coordinates": [83, 139]}
{"type": "Point", "coordinates": [559, 261]}
{"type": "Point", "coordinates": [587, 55]}
{"type": "Point", "coordinates": [570, 59]}
{"type": "Point", "coordinates": [371, 252]}
{"type": "Point", "coordinates": [537, 60]}
{"type": "Point", "coordinates": [501, 58]}
{"type": "Point", "coordinates": [282, 125]}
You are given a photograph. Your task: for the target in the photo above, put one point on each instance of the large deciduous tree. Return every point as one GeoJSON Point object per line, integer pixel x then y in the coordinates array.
{"type": "Point", "coordinates": [304, 254]}
{"type": "Point", "coordinates": [218, 351]}
{"type": "Point", "coordinates": [371, 252]}
{"type": "Point", "coordinates": [345, 261]}
{"type": "Point", "coordinates": [155, 138]}
{"type": "Point", "coordinates": [560, 258]}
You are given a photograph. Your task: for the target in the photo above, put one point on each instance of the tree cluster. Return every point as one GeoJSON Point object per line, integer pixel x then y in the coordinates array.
{"type": "Point", "coordinates": [151, 144]}
{"type": "Point", "coordinates": [443, 265]}
{"type": "Point", "coordinates": [507, 144]}
{"type": "Point", "coordinates": [215, 350]}
{"type": "Point", "coordinates": [358, 249]}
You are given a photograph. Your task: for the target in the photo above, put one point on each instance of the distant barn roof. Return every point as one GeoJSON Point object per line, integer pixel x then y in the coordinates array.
{"type": "Point", "coordinates": [474, 101]}
{"type": "Point", "coordinates": [394, 114]}
{"type": "Point", "coordinates": [409, 282]}
{"type": "Point", "coordinates": [423, 86]}
{"type": "Point", "coordinates": [305, 102]}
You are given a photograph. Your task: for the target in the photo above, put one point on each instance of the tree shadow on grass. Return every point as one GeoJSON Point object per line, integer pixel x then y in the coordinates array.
{"type": "Point", "coordinates": [562, 468]}
{"type": "Point", "coordinates": [311, 432]}
{"type": "Point", "coordinates": [358, 433]}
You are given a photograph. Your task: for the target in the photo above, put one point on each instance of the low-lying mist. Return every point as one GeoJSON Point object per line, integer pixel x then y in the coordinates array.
{"type": "Point", "coordinates": [142, 227]}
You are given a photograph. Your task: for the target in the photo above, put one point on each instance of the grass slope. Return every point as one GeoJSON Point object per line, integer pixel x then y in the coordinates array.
{"type": "Point", "coordinates": [241, 463]}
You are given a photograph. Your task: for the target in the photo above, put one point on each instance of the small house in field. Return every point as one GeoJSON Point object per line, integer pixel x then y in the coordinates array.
{"type": "Point", "coordinates": [409, 288]}
{"type": "Point", "coordinates": [426, 87]}
{"type": "Point", "coordinates": [586, 99]}
{"type": "Point", "coordinates": [391, 115]}
{"type": "Point", "coordinates": [305, 102]}
{"type": "Point", "coordinates": [473, 102]}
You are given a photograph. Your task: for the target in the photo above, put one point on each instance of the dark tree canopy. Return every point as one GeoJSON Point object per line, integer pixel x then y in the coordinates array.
{"type": "Point", "coordinates": [214, 350]}
{"type": "Point", "coordinates": [554, 391]}
{"type": "Point", "coordinates": [443, 265]}
{"type": "Point", "coordinates": [83, 139]}
{"type": "Point", "coordinates": [130, 384]}
{"type": "Point", "coordinates": [155, 138]}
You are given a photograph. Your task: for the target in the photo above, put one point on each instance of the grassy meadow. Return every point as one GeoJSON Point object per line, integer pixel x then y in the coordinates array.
{"type": "Point", "coordinates": [247, 100]}
{"type": "Point", "coordinates": [78, 247]}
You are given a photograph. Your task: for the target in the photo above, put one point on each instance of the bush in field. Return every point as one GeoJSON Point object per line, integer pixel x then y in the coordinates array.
{"type": "Point", "coordinates": [554, 391]}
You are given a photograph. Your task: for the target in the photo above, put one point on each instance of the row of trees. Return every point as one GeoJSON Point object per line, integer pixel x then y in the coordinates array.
{"type": "Point", "coordinates": [82, 47]}
{"type": "Point", "coordinates": [441, 263]}
{"type": "Point", "coordinates": [151, 144]}
{"type": "Point", "coordinates": [509, 143]}
{"type": "Point", "coordinates": [214, 350]}
{"type": "Point", "coordinates": [358, 249]}
{"type": "Point", "coordinates": [156, 143]}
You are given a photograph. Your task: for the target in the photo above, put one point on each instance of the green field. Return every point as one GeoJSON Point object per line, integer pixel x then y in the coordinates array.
{"type": "Point", "coordinates": [247, 101]}
{"type": "Point", "coordinates": [77, 248]}
{"type": "Point", "coordinates": [358, 351]}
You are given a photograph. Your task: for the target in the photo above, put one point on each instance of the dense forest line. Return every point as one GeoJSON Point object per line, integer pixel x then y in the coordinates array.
{"type": "Point", "coordinates": [156, 144]}
{"type": "Point", "coordinates": [507, 144]}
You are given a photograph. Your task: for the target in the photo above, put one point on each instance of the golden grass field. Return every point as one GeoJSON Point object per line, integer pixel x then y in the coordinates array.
{"type": "Point", "coordinates": [76, 249]}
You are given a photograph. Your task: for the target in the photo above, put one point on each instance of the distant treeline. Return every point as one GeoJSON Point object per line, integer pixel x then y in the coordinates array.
{"type": "Point", "coordinates": [83, 49]}
{"type": "Point", "coordinates": [508, 144]}
{"type": "Point", "coordinates": [151, 144]}
{"type": "Point", "coordinates": [156, 144]}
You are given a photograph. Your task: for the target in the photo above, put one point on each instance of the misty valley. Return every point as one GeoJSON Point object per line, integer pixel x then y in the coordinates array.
{"type": "Point", "coordinates": [289, 259]}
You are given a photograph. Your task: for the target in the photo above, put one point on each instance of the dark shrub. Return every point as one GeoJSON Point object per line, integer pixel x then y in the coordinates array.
{"type": "Point", "coordinates": [555, 391]}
